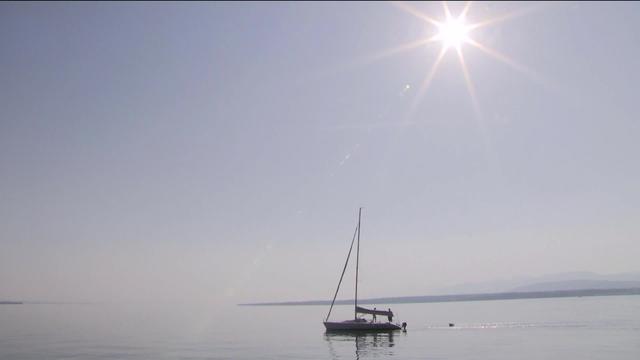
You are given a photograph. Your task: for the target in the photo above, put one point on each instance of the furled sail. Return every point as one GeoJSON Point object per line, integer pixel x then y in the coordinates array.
{"type": "Point", "coordinates": [362, 310]}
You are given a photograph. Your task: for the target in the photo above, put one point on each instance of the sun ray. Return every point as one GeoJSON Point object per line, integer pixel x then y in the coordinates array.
{"type": "Point", "coordinates": [499, 56]}
{"type": "Point", "coordinates": [447, 12]}
{"type": "Point", "coordinates": [398, 49]}
{"type": "Point", "coordinates": [483, 130]}
{"type": "Point", "coordinates": [466, 9]}
{"type": "Point", "coordinates": [510, 62]}
{"type": "Point", "coordinates": [426, 82]}
{"type": "Point", "coordinates": [508, 16]}
{"type": "Point", "coordinates": [409, 9]}
{"type": "Point", "coordinates": [371, 58]}
{"type": "Point", "coordinates": [469, 83]}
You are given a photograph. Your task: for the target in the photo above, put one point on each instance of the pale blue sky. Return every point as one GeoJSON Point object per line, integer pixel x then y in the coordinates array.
{"type": "Point", "coordinates": [219, 151]}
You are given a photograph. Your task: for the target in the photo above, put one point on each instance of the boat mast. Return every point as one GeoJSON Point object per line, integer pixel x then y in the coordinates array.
{"type": "Point", "coordinates": [357, 260]}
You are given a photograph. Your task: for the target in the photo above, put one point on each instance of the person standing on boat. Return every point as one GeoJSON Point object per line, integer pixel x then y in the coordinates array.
{"type": "Point", "coordinates": [374, 314]}
{"type": "Point", "coordinates": [390, 315]}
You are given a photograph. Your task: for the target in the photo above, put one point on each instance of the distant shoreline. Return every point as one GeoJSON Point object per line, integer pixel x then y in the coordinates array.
{"type": "Point", "coordinates": [462, 297]}
{"type": "Point", "coordinates": [11, 303]}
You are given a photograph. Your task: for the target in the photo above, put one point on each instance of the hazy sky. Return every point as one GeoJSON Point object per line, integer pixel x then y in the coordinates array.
{"type": "Point", "coordinates": [219, 151]}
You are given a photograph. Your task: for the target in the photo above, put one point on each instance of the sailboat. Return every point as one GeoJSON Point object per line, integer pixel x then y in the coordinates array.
{"type": "Point", "coordinates": [358, 323]}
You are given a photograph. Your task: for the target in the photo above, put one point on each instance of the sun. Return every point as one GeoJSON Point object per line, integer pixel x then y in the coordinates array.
{"type": "Point", "coordinates": [453, 32]}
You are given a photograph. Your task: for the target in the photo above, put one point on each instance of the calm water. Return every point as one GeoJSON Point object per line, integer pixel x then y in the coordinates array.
{"type": "Point", "coordinates": [570, 328]}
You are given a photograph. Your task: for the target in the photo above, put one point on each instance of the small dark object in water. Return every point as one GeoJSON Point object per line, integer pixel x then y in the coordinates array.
{"type": "Point", "coordinates": [404, 326]}
{"type": "Point", "coordinates": [452, 324]}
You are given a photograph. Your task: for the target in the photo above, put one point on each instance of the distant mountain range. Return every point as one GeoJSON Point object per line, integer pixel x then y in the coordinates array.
{"type": "Point", "coordinates": [551, 282]}
{"type": "Point", "coordinates": [578, 285]}
{"type": "Point", "coordinates": [554, 285]}
{"type": "Point", "coordinates": [465, 297]}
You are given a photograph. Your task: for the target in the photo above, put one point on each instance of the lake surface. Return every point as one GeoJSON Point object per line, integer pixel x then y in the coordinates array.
{"type": "Point", "coordinates": [564, 328]}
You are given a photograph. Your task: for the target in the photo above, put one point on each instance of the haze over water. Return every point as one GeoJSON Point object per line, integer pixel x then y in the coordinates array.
{"type": "Point", "coordinates": [569, 328]}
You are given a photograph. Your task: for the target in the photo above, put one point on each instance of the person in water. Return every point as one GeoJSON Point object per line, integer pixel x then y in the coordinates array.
{"type": "Point", "coordinates": [390, 315]}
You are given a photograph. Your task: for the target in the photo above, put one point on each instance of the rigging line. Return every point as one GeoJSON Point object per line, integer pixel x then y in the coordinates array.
{"type": "Point", "coordinates": [343, 270]}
